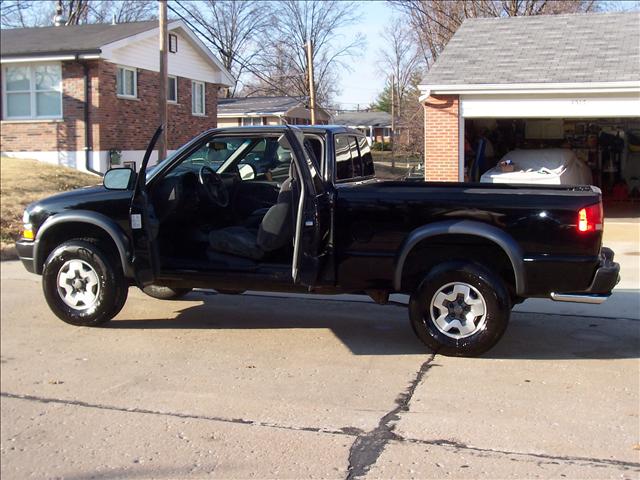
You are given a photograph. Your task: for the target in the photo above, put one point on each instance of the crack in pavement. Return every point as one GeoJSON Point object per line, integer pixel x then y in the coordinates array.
{"type": "Point", "coordinates": [367, 447]}
{"type": "Point", "coordinates": [361, 456]}
{"type": "Point", "coordinates": [545, 458]}
{"type": "Point", "coordinates": [348, 431]}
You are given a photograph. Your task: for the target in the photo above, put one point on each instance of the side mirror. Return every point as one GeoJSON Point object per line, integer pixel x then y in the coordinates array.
{"type": "Point", "coordinates": [118, 179]}
{"type": "Point", "coordinates": [247, 171]}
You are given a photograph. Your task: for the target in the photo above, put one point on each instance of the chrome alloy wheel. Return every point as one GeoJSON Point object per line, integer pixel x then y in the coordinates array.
{"type": "Point", "coordinates": [78, 284]}
{"type": "Point", "coordinates": [458, 310]}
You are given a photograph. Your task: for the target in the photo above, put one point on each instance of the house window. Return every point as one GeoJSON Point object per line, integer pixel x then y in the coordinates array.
{"type": "Point", "coordinates": [127, 82]}
{"type": "Point", "coordinates": [32, 91]}
{"type": "Point", "coordinates": [173, 43]}
{"type": "Point", "coordinates": [172, 89]}
{"type": "Point", "coordinates": [248, 121]}
{"type": "Point", "coordinates": [197, 98]}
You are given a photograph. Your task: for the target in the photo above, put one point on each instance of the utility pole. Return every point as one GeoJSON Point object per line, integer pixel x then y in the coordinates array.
{"type": "Point", "coordinates": [393, 121]}
{"type": "Point", "coordinates": [162, 94]}
{"type": "Point", "coordinates": [312, 88]}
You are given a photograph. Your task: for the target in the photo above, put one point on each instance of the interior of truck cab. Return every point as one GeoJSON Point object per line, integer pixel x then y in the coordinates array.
{"type": "Point", "coordinates": [228, 204]}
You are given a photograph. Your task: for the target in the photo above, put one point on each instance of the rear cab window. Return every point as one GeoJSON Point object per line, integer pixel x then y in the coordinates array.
{"type": "Point", "coordinates": [353, 158]}
{"type": "Point", "coordinates": [344, 166]}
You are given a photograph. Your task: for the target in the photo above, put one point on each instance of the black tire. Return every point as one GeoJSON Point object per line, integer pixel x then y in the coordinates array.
{"type": "Point", "coordinates": [165, 293]}
{"type": "Point", "coordinates": [486, 329]}
{"type": "Point", "coordinates": [112, 288]}
{"type": "Point", "coordinates": [224, 291]}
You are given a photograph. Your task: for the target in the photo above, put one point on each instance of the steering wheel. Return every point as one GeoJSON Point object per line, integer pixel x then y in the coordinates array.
{"type": "Point", "coordinates": [214, 186]}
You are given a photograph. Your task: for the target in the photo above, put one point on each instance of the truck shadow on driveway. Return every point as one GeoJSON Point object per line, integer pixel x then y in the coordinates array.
{"type": "Point", "coordinates": [534, 336]}
{"type": "Point", "coordinates": [369, 329]}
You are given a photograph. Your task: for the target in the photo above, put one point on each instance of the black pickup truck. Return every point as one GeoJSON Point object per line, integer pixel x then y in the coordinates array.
{"type": "Point", "coordinates": [298, 209]}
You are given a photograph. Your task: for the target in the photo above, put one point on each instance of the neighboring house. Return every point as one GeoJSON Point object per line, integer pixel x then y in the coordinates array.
{"type": "Point", "coordinates": [537, 82]}
{"type": "Point", "coordinates": [87, 95]}
{"type": "Point", "coordinates": [234, 112]}
{"type": "Point", "coordinates": [375, 125]}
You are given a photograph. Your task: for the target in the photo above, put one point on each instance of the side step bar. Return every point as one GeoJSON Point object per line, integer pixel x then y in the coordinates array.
{"type": "Point", "coordinates": [579, 298]}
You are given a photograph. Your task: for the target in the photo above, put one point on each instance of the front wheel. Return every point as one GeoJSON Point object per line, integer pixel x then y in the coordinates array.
{"type": "Point", "coordinates": [82, 284]}
{"type": "Point", "coordinates": [165, 293]}
{"type": "Point", "coordinates": [460, 309]}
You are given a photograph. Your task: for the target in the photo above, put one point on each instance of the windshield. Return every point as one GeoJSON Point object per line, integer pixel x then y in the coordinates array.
{"type": "Point", "coordinates": [169, 158]}
{"type": "Point", "coordinates": [215, 153]}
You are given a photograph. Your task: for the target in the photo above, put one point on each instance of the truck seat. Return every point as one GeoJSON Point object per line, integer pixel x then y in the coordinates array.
{"type": "Point", "coordinates": [274, 232]}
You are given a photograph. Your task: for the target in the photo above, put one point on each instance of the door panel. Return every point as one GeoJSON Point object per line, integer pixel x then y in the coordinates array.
{"type": "Point", "coordinates": [313, 216]}
{"type": "Point", "coordinates": [144, 225]}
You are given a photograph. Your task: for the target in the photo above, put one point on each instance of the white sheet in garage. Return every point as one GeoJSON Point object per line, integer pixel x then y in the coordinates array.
{"type": "Point", "coordinates": [552, 166]}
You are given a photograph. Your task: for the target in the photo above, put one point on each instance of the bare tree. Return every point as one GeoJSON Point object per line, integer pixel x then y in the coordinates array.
{"type": "Point", "coordinates": [402, 62]}
{"type": "Point", "coordinates": [285, 60]}
{"type": "Point", "coordinates": [122, 11]}
{"type": "Point", "coordinates": [25, 13]}
{"type": "Point", "coordinates": [233, 27]}
{"type": "Point", "coordinates": [36, 13]}
{"type": "Point", "coordinates": [401, 59]}
{"type": "Point", "coordinates": [75, 11]}
{"type": "Point", "coordinates": [435, 21]}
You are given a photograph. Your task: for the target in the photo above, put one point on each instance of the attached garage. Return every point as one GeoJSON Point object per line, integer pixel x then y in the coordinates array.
{"type": "Point", "coordinates": [566, 84]}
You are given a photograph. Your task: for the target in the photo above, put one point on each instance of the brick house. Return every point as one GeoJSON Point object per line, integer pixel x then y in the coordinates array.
{"type": "Point", "coordinates": [540, 82]}
{"type": "Point", "coordinates": [375, 125]}
{"type": "Point", "coordinates": [272, 110]}
{"type": "Point", "coordinates": [86, 96]}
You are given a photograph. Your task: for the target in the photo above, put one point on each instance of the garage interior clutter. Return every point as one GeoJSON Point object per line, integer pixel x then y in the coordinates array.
{"type": "Point", "coordinates": [607, 149]}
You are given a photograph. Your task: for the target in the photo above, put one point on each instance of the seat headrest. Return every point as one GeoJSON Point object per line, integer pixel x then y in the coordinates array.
{"type": "Point", "coordinates": [284, 156]}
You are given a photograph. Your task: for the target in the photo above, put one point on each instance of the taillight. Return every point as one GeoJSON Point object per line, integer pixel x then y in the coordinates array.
{"type": "Point", "coordinates": [590, 218]}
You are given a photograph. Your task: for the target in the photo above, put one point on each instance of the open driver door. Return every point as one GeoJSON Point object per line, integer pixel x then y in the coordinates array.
{"type": "Point", "coordinates": [313, 211]}
{"type": "Point", "coordinates": [144, 224]}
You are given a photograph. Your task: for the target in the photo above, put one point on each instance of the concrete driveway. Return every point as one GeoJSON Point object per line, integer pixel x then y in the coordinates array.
{"type": "Point", "coordinates": [274, 386]}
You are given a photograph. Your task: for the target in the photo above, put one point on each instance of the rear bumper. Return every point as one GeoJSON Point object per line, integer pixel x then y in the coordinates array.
{"type": "Point", "coordinates": [25, 249]}
{"type": "Point", "coordinates": [606, 277]}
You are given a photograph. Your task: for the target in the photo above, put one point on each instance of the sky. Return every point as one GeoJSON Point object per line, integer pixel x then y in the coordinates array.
{"type": "Point", "coordinates": [363, 84]}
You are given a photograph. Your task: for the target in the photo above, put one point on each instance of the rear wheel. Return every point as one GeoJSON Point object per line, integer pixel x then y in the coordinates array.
{"type": "Point", "coordinates": [82, 285]}
{"type": "Point", "coordinates": [165, 293]}
{"type": "Point", "coordinates": [460, 309]}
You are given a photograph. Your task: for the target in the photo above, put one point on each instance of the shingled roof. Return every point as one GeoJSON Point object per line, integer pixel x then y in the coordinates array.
{"type": "Point", "coordinates": [579, 48]}
{"type": "Point", "coordinates": [69, 39]}
{"type": "Point", "coordinates": [362, 119]}
{"type": "Point", "coordinates": [258, 105]}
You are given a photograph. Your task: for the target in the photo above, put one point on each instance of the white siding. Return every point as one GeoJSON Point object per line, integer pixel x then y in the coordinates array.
{"type": "Point", "coordinates": [187, 62]}
{"type": "Point", "coordinates": [551, 105]}
{"type": "Point", "coordinates": [67, 158]}
{"type": "Point", "coordinates": [76, 159]}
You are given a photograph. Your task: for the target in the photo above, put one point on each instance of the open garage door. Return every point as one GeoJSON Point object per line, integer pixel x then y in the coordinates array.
{"type": "Point", "coordinates": [596, 133]}
{"type": "Point", "coordinates": [603, 105]}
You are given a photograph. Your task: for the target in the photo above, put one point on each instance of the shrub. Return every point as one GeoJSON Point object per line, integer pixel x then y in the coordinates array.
{"type": "Point", "coordinates": [381, 147]}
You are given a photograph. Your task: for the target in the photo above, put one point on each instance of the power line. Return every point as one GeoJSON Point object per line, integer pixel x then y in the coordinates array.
{"type": "Point", "coordinates": [241, 61]}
